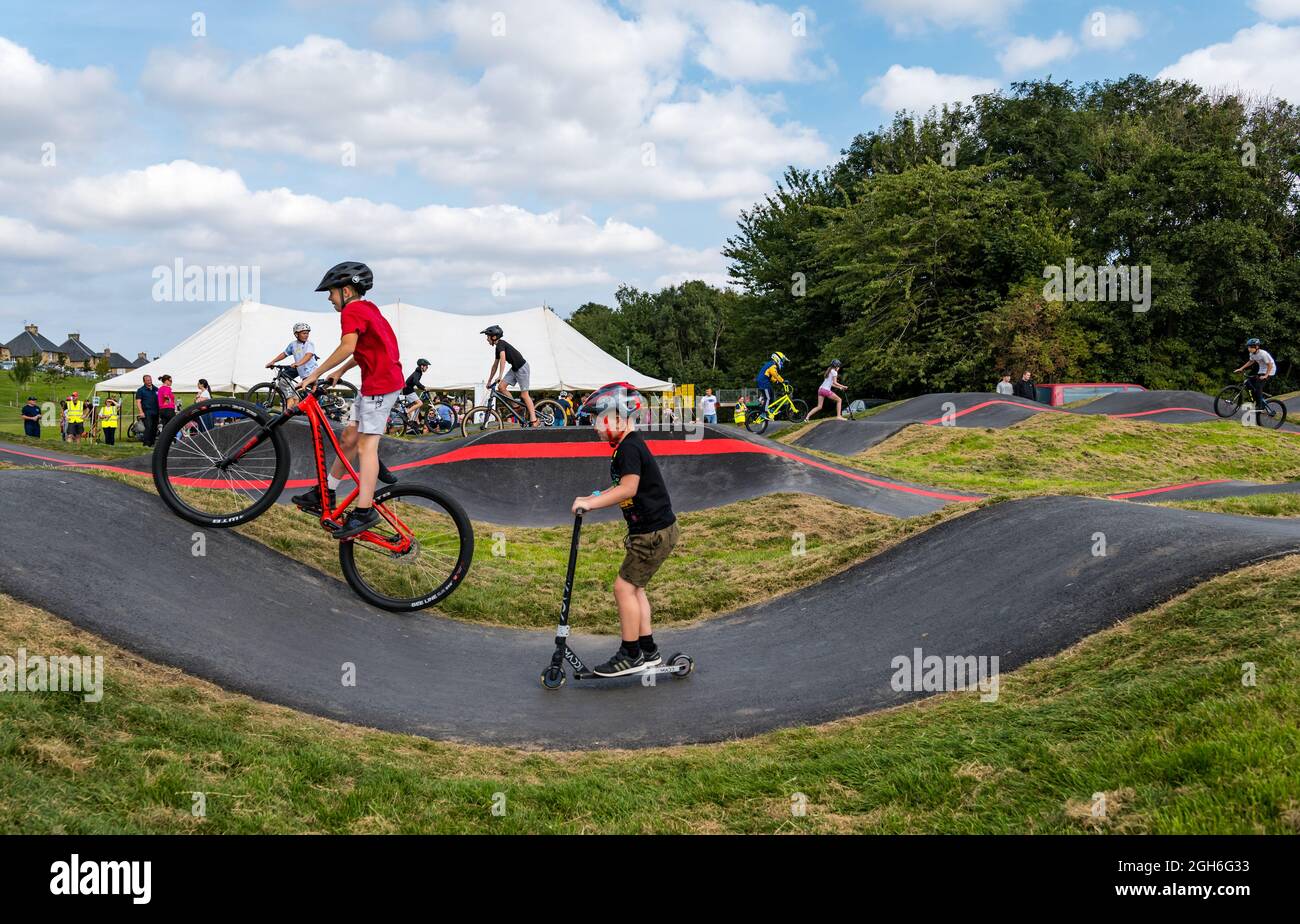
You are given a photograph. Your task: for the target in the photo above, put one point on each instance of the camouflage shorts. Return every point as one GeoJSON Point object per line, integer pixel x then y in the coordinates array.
{"type": "Point", "coordinates": [646, 552]}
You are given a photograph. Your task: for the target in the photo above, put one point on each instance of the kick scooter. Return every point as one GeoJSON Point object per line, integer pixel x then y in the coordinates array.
{"type": "Point", "coordinates": [679, 665]}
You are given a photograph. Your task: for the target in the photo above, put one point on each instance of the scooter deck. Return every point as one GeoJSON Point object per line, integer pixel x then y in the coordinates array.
{"type": "Point", "coordinates": [680, 669]}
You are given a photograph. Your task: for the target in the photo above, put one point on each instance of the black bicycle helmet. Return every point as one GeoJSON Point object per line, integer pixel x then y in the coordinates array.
{"type": "Point", "coordinates": [1253, 341]}
{"type": "Point", "coordinates": [493, 331]}
{"type": "Point", "coordinates": [423, 362]}
{"type": "Point", "coordinates": [357, 275]}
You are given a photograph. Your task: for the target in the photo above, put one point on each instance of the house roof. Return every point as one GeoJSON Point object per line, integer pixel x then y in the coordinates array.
{"type": "Point", "coordinates": [76, 350]}
{"type": "Point", "coordinates": [138, 362]}
{"type": "Point", "coordinates": [28, 344]}
{"type": "Point", "coordinates": [118, 361]}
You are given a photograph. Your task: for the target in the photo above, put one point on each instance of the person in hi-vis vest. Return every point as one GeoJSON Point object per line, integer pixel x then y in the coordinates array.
{"type": "Point", "coordinates": [108, 421]}
{"type": "Point", "coordinates": [76, 418]}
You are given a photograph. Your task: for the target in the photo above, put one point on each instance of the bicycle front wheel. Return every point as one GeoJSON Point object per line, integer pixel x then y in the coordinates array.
{"type": "Point", "coordinates": [266, 395]}
{"type": "Point", "coordinates": [1273, 415]}
{"type": "Point", "coordinates": [417, 555]}
{"type": "Point", "coordinates": [479, 420]}
{"type": "Point", "coordinates": [220, 476]}
{"type": "Point", "coordinates": [1228, 401]}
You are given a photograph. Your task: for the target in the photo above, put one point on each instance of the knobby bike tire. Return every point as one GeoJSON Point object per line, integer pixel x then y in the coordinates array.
{"type": "Point", "coordinates": [464, 557]}
{"type": "Point", "coordinates": [1274, 416]}
{"type": "Point", "coordinates": [1228, 401]}
{"type": "Point", "coordinates": [756, 422]}
{"type": "Point", "coordinates": [487, 419]}
{"type": "Point", "coordinates": [167, 442]}
{"type": "Point", "coordinates": [548, 412]}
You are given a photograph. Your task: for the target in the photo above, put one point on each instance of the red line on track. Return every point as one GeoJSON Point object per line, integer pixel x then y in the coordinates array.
{"type": "Point", "coordinates": [1061, 410]}
{"type": "Point", "coordinates": [1172, 487]}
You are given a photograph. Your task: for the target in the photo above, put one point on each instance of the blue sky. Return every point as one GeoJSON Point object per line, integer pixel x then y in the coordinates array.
{"type": "Point", "coordinates": [499, 163]}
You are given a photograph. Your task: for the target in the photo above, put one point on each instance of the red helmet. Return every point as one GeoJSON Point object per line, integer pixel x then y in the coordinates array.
{"type": "Point", "coordinates": [610, 405]}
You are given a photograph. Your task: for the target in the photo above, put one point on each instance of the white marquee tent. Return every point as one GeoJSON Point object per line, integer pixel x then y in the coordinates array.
{"type": "Point", "coordinates": [231, 352]}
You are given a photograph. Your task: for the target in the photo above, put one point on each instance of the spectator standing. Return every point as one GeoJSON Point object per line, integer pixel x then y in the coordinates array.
{"type": "Point", "coordinates": [1005, 387]}
{"type": "Point", "coordinates": [1026, 388]}
{"type": "Point", "coordinates": [32, 418]}
{"type": "Point", "coordinates": [108, 421]}
{"type": "Point", "coordinates": [146, 409]}
{"type": "Point", "coordinates": [204, 394]}
{"type": "Point", "coordinates": [63, 421]}
{"type": "Point", "coordinates": [709, 407]}
{"type": "Point", "coordinates": [166, 401]}
{"type": "Point", "coordinates": [76, 415]}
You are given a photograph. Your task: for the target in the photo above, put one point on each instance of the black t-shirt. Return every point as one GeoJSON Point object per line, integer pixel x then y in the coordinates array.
{"type": "Point", "coordinates": [412, 382]}
{"type": "Point", "coordinates": [32, 411]}
{"type": "Point", "coordinates": [513, 356]}
{"type": "Point", "coordinates": [650, 508]}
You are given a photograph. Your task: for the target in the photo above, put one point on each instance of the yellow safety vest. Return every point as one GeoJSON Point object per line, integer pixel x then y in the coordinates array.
{"type": "Point", "coordinates": [74, 412]}
{"type": "Point", "coordinates": [108, 416]}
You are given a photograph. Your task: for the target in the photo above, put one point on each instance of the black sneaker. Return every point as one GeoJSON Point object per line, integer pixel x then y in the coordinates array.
{"type": "Point", "coordinates": [622, 663]}
{"type": "Point", "coordinates": [359, 520]}
{"type": "Point", "coordinates": [652, 658]}
{"type": "Point", "coordinates": [385, 475]}
{"type": "Point", "coordinates": [310, 502]}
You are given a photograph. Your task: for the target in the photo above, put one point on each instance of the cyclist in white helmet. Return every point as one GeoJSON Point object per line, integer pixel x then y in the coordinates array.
{"type": "Point", "coordinates": [300, 349]}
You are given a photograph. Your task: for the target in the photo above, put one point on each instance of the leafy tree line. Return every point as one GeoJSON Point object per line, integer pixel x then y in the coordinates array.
{"type": "Point", "coordinates": [918, 258]}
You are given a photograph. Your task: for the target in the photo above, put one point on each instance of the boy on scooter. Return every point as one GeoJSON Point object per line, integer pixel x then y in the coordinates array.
{"type": "Point", "coordinates": [652, 531]}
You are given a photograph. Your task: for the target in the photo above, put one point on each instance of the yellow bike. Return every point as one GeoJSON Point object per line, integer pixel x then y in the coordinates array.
{"type": "Point", "coordinates": [782, 408]}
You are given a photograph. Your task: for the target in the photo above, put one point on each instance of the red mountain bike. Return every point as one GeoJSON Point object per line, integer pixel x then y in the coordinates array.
{"type": "Point", "coordinates": [231, 473]}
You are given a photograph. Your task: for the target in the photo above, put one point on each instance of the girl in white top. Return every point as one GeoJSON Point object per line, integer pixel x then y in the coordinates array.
{"type": "Point", "coordinates": [827, 390]}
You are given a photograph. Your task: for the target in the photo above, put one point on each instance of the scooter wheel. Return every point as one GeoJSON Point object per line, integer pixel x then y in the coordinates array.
{"type": "Point", "coordinates": [683, 663]}
{"type": "Point", "coordinates": [553, 678]}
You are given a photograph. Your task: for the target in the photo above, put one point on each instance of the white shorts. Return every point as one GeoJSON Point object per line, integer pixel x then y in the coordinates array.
{"type": "Point", "coordinates": [517, 377]}
{"type": "Point", "coordinates": [370, 412]}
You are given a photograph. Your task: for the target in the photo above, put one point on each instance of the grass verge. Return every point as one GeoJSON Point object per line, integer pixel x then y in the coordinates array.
{"type": "Point", "coordinates": [1255, 505]}
{"type": "Point", "coordinates": [1067, 454]}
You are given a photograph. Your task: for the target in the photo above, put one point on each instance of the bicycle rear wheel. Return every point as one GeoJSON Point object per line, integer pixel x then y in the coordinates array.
{"type": "Point", "coordinates": [549, 413]}
{"type": "Point", "coordinates": [440, 418]}
{"type": "Point", "coordinates": [220, 476]}
{"type": "Point", "coordinates": [479, 420]}
{"type": "Point", "coordinates": [1228, 401]}
{"type": "Point", "coordinates": [1273, 415]}
{"type": "Point", "coordinates": [797, 411]}
{"type": "Point", "coordinates": [756, 422]}
{"type": "Point", "coordinates": [439, 543]}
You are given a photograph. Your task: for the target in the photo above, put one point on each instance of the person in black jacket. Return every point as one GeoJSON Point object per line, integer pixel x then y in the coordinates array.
{"type": "Point", "coordinates": [1026, 388]}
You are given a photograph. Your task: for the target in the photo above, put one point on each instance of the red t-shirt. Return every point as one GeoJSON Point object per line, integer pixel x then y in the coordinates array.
{"type": "Point", "coordinates": [376, 353]}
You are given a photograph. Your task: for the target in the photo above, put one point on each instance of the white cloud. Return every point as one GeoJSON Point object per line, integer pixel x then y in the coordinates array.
{"type": "Point", "coordinates": [43, 103]}
{"type": "Point", "coordinates": [749, 41]}
{"type": "Point", "coordinates": [1108, 28]}
{"type": "Point", "coordinates": [918, 88]}
{"type": "Point", "coordinates": [1263, 60]}
{"type": "Point", "coordinates": [538, 118]}
{"type": "Point", "coordinates": [21, 240]}
{"type": "Point", "coordinates": [909, 16]}
{"type": "Point", "coordinates": [1277, 10]}
{"type": "Point", "coordinates": [1027, 53]}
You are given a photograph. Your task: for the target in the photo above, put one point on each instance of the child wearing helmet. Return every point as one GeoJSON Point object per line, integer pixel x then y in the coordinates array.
{"type": "Point", "coordinates": [652, 532]}
{"type": "Point", "coordinates": [369, 342]}
{"type": "Point", "coordinates": [769, 376]}
{"type": "Point", "coordinates": [413, 386]}
{"type": "Point", "coordinates": [500, 377]}
{"type": "Point", "coordinates": [830, 382]}
{"type": "Point", "coordinates": [1265, 368]}
{"type": "Point", "coordinates": [300, 349]}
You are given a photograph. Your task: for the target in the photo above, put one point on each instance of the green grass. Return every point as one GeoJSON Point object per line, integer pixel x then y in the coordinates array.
{"type": "Point", "coordinates": [1065, 454]}
{"type": "Point", "coordinates": [1153, 713]}
{"type": "Point", "coordinates": [1255, 505]}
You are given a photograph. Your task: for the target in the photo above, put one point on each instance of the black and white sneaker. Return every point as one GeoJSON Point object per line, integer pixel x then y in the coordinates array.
{"type": "Point", "coordinates": [359, 520]}
{"type": "Point", "coordinates": [652, 658]}
{"type": "Point", "coordinates": [310, 501]}
{"type": "Point", "coordinates": [622, 663]}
